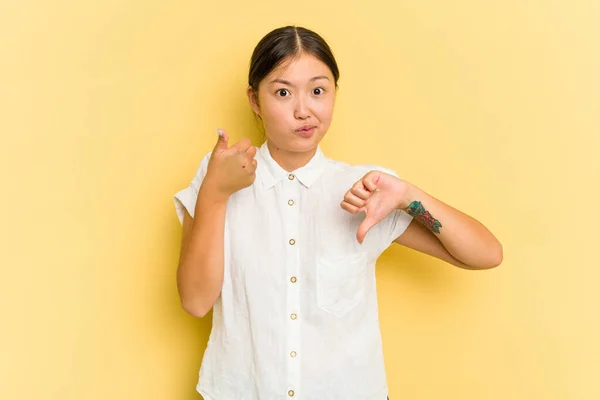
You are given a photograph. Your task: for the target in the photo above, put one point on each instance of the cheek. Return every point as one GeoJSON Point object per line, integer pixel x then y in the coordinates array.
{"type": "Point", "coordinates": [325, 111]}
{"type": "Point", "coordinates": [275, 114]}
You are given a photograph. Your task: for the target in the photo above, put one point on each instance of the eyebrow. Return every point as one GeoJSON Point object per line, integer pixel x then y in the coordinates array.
{"type": "Point", "coordinates": [315, 78]}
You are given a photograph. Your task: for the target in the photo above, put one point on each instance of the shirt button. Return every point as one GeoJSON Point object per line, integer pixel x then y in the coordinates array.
{"type": "Point", "coordinates": [291, 202]}
{"type": "Point", "coordinates": [292, 242]}
{"type": "Point", "coordinates": [293, 279]}
{"type": "Point", "coordinates": [291, 177]}
{"type": "Point", "coordinates": [293, 354]}
{"type": "Point", "coordinates": [290, 393]}
{"type": "Point", "coordinates": [293, 316]}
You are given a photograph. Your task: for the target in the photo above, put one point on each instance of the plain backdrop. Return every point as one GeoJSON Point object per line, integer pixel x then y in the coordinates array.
{"type": "Point", "coordinates": [106, 108]}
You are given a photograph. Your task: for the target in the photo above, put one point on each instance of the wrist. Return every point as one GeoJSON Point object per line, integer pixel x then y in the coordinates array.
{"type": "Point", "coordinates": [209, 193]}
{"type": "Point", "coordinates": [409, 194]}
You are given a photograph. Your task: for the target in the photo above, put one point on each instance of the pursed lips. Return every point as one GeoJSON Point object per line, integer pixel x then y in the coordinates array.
{"type": "Point", "coordinates": [305, 128]}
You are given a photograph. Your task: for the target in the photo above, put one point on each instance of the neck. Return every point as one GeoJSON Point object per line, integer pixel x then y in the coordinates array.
{"type": "Point", "coordinates": [290, 160]}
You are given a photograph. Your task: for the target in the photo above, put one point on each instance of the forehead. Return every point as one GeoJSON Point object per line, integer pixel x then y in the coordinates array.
{"type": "Point", "coordinates": [300, 69]}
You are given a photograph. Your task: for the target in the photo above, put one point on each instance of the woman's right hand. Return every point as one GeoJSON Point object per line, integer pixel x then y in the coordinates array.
{"type": "Point", "coordinates": [230, 168]}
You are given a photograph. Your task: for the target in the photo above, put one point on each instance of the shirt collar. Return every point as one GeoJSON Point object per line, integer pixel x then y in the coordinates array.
{"type": "Point", "coordinates": [271, 173]}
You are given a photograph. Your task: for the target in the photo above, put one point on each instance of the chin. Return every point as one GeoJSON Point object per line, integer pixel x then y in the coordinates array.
{"type": "Point", "coordinates": [296, 144]}
{"type": "Point", "coordinates": [304, 145]}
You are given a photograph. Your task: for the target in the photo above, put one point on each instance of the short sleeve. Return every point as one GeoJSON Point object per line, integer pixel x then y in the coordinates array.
{"type": "Point", "coordinates": [398, 219]}
{"type": "Point", "coordinates": [185, 199]}
{"type": "Point", "coordinates": [394, 225]}
{"type": "Point", "coordinates": [398, 222]}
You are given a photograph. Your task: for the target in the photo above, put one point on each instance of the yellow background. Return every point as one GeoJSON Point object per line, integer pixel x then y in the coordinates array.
{"type": "Point", "coordinates": [107, 108]}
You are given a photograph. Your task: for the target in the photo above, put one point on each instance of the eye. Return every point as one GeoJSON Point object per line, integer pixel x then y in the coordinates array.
{"type": "Point", "coordinates": [283, 92]}
{"type": "Point", "coordinates": [318, 91]}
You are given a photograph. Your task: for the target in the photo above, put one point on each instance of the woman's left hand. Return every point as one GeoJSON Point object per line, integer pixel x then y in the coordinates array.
{"type": "Point", "coordinates": [377, 194]}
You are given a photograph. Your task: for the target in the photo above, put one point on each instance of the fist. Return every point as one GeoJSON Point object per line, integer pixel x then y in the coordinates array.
{"type": "Point", "coordinates": [231, 168]}
{"type": "Point", "coordinates": [377, 194]}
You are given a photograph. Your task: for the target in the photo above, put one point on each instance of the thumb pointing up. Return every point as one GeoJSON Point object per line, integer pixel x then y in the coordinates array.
{"type": "Point", "coordinates": [223, 141]}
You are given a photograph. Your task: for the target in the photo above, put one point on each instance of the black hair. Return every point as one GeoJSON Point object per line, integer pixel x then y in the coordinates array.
{"type": "Point", "coordinates": [288, 41]}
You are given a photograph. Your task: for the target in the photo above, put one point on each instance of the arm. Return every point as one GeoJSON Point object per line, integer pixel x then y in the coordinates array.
{"type": "Point", "coordinates": [446, 233]}
{"type": "Point", "coordinates": [421, 239]}
{"type": "Point", "coordinates": [200, 270]}
{"type": "Point", "coordinates": [201, 261]}
{"type": "Point", "coordinates": [437, 229]}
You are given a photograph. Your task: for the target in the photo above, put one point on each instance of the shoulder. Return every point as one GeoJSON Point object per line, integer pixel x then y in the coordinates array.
{"type": "Point", "coordinates": [340, 168]}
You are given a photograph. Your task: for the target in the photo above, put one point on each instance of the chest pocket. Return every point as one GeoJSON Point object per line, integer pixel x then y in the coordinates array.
{"type": "Point", "coordinates": [342, 282]}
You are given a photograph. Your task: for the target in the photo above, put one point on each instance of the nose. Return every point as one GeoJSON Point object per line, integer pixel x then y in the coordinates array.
{"type": "Point", "coordinates": [301, 110]}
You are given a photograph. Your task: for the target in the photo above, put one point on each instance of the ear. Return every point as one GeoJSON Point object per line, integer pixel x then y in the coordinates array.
{"type": "Point", "coordinates": [253, 99]}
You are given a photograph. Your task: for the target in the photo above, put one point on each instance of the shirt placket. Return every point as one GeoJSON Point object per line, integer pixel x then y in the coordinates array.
{"type": "Point", "coordinates": [294, 318]}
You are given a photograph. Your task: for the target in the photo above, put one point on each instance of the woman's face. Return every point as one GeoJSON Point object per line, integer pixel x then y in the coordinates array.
{"type": "Point", "coordinates": [295, 103]}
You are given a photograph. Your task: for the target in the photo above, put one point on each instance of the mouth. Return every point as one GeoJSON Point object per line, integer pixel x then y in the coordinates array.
{"type": "Point", "coordinates": [305, 128]}
{"type": "Point", "coordinates": [306, 131]}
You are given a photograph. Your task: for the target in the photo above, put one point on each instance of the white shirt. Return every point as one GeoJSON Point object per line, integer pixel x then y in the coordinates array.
{"type": "Point", "coordinates": [297, 317]}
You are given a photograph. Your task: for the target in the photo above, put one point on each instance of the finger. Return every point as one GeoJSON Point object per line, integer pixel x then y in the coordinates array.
{"type": "Point", "coordinates": [243, 145]}
{"type": "Point", "coordinates": [251, 151]}
{"type": "Point", "coordinates": [370, 181]}
{"type": "Point", "coordinates": [350, 208]}
{"type": "Point", "coordinates": [366, 225]}
{"type": "Point", "coordinates": [354, 200]}
{"type": "Point", "coordinates": [251, 166]}
{"type": "Point", "coordinates": [222, 141]}
{"type": "Point", "coordinates": [360, 191]}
